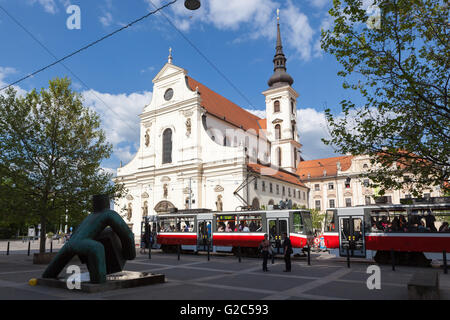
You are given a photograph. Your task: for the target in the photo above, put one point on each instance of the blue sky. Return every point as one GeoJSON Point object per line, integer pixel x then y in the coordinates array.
{"type": "Point", "coordinates": [237, 36]}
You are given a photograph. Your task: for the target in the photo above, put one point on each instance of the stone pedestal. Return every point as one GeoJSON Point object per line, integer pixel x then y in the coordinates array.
{"type": "Point", "coordinates": [119, 280]}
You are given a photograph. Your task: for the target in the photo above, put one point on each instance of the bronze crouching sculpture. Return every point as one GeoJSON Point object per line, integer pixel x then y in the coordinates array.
{"type": "Point", "coordinates": [103, 241]}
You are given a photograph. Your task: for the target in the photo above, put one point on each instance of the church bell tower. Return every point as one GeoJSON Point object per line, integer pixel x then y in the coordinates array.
{"type": "Point", "coordinates": [281, 111]}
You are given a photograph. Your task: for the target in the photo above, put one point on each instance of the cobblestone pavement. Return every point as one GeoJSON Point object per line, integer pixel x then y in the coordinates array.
{"type": "Point", "coordinates": [223, 277]}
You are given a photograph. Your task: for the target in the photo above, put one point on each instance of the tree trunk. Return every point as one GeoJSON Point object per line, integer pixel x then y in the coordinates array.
{"type": "Point", "coordinates": [43, 236]}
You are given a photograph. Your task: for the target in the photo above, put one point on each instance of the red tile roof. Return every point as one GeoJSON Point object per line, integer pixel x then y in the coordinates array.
{"type": "Point", "coordinates": [263, 123]}
{"type": "Point", "coordinates": [315, 168]}
{"type": "Point", "coordinates": [279, 175]}
{"type": "Point", "coordinates": [224, 109]}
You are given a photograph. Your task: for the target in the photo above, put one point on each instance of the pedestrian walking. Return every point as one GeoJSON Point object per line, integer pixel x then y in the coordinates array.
{"type": "Point", "coordinates": [287, 246]}
{"type": "Point", "coordinates": [264, 246]}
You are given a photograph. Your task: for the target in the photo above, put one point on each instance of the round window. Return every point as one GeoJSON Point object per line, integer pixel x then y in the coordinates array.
{"type": "Point", "coordinates": [169, 94]}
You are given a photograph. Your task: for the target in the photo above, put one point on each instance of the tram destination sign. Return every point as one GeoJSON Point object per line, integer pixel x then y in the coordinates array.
{"type": "Point", "coordinates": [226, 217]}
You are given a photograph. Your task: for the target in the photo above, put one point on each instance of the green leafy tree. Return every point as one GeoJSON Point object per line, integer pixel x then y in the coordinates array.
{"type": "Point", "coordinates": [52, 147]}
{"type": "Point", "coordinates": [399, 61]}
{"type": "Point", "coordinates": [317, 218]}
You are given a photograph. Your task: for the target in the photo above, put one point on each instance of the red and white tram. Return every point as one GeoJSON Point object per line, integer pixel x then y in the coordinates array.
{"type": "Point", "coordinates": [417, 233]}
{"type": "Point", "coordinates": [228, 231]}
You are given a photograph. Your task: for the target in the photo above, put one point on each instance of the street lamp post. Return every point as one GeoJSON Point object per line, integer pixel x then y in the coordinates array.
{"type": "Point", "coordinates": [192, 4]}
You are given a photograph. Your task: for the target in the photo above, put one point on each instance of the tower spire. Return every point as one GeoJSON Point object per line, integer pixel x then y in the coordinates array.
{"type": "Point", "coordinates": [279, 46]}
{"type": "Point", "coordinates": [280, 76]}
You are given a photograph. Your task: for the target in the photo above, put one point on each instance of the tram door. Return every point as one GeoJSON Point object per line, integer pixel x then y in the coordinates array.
{"type": "Point", "coordinates": [276, 229]}
{"type": "Point", "coordinates": [204, 234]}
{"type": "Point", "coordinates": [351, 236]}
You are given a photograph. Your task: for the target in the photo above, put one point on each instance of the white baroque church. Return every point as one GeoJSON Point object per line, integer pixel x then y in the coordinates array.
{"type": "Point", "coordinates": [200, 150]}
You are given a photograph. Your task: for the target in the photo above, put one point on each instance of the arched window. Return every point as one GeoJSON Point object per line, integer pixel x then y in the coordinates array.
{"type": "Point", "coordinates": [167, 146]}
{"type": "Point", "coordinates": [271, 202]}
{"type": "Point", "coordinates": [255, 204]}
{"type": "Point", "coordinates": [292, 106]}
{"type": "Point", "coordinates": [225, 141]}
{"type": "Point", "coordinates": [277, 131]}
{"type": "Point", "coordinates": [293, 132]}
{"type": "Point", "coordinates": [276, 106]}
{"type": "Point", "coordinates": [279, 156]}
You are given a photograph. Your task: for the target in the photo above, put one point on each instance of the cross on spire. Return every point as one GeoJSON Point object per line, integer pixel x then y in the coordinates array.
{"type": "Point", "coordinates": [170, 56]}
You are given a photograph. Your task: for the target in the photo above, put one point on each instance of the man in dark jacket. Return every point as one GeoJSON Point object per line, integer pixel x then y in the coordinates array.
{"type": "Point", "coordinates": [287, 246]}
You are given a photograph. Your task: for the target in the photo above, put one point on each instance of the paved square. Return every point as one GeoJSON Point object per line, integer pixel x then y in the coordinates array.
{"type": "Point", "coordinates": [193, 277]}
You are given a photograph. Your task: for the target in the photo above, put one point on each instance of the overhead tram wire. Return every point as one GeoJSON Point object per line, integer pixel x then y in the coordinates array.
{"type": "Point", "coordinates": [89, 45]}
{"type": "Point", "coordinates": [66, 67]}
{"type": "Point", "coordinates": [206, 59]}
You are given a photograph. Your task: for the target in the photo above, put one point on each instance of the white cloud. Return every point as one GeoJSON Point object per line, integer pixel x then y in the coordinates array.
{"type": "Point", "coordinates": [124, 154]}
{"type": "Point", "coordinates": [300, 32]}
{"type": "Point", "coordinates": [312, 127]}
{"type": "Point", "coordinates": [259, 113]}
{"type": "Point", "coordinates": [4, 73]}
{"type": "Point", "coordinates": [232, 13]}
{"type": "Point", "coordinates": [65, 3]}
{"type": "Point", "coordinates": [148, 69]}
{"type": "Point", "coordinates": [48, 5]}
{"type": "Point", "coordinates": [113, 171]}
{"type": "Point", "coordinates": [258, 16]}
{"type": "Point", "coordinates": [320, 3]}
{"type": "Point", "coordinates": [119, 114]}
{"type": "Point", "coordinates": [106, 20]}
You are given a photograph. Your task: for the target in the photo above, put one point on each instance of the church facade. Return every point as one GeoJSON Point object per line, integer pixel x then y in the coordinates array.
{"type": "Point", "coordinates": [200, 150]}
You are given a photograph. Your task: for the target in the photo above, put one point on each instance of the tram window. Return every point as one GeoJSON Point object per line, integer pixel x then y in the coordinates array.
{"type": "Point", "coordinates": [250, 223]}
{"type": "Point", "coordinates": [186, 224]}
{"type": "Point", "coordinates": [168, 224]}
{"type": "Point", "coordinates": [442, 222]}
{"type": "Point", "coordinates": [307, 222]}
{"type": "Point", "coordinates": [389, 221]}
{"type": "Point", "coordinates": [226, 223]}
{"type": "Point", "coordinates": [298, 222]}
{"type": "Point", "coordinates": [330, 221]}
{"type": "Point", "coordinates": [176, 224]}
{"type": "Point", "coordinates": [424, 220]}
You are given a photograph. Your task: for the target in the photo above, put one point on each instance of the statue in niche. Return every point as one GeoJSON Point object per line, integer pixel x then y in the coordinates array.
{"type": "Point", "coordinates": [129, 211]}
{"type": "Point", "coordinates": [166, 191]}
{"type": "Point", "coordinates": [145, 209]}
{"type": "Point", "coordinates": [147, 139]}
{"type": "Point", "coordinates": [188, 127]}
{"type": "Point", "coordinates": [219, 203]}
